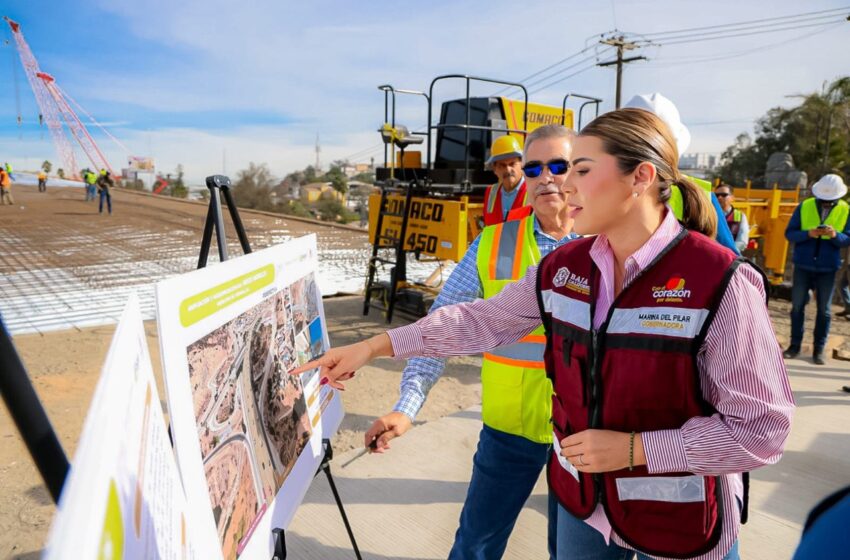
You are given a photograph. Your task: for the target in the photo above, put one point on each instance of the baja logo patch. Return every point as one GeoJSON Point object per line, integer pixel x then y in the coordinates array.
{"type": "Point", "coordinates": [673, 291]}
{"type": "Point", "coordinates": [561, 277]}
{"type": "Point", "coordinates": [571, 280]}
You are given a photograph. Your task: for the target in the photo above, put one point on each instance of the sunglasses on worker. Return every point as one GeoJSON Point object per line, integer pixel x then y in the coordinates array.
{"type": "Point", "coordinates": [556, 167]}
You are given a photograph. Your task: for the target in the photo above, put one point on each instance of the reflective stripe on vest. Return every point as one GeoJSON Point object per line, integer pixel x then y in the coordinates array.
{"type": "Point", "coordinates": [516, 395]}
{"type": "Point", "coordinates": [676, 203]}
{"type": "Point", "coordinates": [494, 213]}
{"type": "Point", "coordinates": [810, 218]}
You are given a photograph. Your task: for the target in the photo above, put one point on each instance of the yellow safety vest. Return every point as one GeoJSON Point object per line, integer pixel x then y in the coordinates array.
{"type": "Point", "coordinates": [676, 203]}
{"type": "Point", "coordinates": [516, 395]}
{"type": "Point", "coordinates": [810, 218]}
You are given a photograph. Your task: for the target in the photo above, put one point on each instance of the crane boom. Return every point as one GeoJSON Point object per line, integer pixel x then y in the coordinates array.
{"type": "Point", "coordinates": [55, 109]}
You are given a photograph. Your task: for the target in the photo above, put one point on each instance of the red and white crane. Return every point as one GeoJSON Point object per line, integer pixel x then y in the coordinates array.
{"type": "Point", "coordinates": [55, 109]}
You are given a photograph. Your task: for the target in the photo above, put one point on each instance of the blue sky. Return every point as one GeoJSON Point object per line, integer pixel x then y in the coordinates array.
{"type": "Point", "coordinates": [213, 83]}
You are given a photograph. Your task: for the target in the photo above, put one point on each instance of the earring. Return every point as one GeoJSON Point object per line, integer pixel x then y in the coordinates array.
{"type": "Point", "coordinates": [634, 194]}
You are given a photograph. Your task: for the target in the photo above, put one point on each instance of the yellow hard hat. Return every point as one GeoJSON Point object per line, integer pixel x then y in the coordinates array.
{"type": "Point", "coordinates": [504, 147]}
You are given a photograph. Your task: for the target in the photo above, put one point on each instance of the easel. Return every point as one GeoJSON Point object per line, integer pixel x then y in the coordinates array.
{"type": "Point", "coordinates": [215, 219]}
{"type": "Point", "coordinates": [30, 418]}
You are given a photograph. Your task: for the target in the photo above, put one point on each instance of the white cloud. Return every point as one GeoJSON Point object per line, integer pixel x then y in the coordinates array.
{"type": "Point", "coordinates": [319, 63]}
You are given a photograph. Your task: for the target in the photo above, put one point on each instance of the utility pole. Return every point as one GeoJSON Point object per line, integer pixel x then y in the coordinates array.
{"type": "Point", "coordinates": [622, 46]}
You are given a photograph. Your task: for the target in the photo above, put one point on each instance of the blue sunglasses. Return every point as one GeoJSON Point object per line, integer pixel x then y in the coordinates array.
{"type": "Point", "coordinates": [556, 167]}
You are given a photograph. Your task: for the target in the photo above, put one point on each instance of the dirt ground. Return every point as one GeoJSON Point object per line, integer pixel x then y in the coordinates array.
{"type": "Point", "coordinates": [65, 367]}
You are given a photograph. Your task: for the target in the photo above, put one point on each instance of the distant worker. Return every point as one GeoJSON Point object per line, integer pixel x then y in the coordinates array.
{"type": "Point", "coordinates": [42, 181]}
{"type": "Point", "coordinates": [104, 183]}
{"type": "Point", "coordinates": [8, 169]}
{"type": "Point", "coordinates": [739, 227]}
{"type": "Point", "coordinates": [818, 230]}
{"type": "Point", "coordinates": [90, 179]}
{"type": "Point", "coordinates": [514, 444]}
{"type": "Point", "coordinates": [508, 195]}
{"type": "Point", "coordinates": [667, 112]}
{"type": "Point", "coordinates": [5, 187]}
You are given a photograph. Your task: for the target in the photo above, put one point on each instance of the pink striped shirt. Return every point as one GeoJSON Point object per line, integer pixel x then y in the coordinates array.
{"type": "Point", "coordinates": [741, 369]}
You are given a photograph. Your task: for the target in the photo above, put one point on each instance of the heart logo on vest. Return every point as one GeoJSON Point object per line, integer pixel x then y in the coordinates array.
{"type": "Point", "coordinates": [673, 291]}
{"type": "Point", "coordinates": [561, 277]}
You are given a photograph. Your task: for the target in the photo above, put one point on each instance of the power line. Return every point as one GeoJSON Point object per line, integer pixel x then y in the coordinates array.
{"type": "Point", "coordinates": [679, 61]}
{"type": "Point", "coordinates": [553, 65]}
{"type": "Point", "coordinates": [796, 17]}
{"type": "Point", "coordinates": [748, 34]}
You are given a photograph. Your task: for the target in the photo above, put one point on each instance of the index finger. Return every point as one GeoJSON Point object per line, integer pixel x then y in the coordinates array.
{"type": "Point", "coordinates": [572, 440]}
{"type": "Point", "coordinates": [318, 362]}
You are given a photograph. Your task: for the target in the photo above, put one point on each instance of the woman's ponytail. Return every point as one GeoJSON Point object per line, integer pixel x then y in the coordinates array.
{"type": "Point", "coordinates": [697, 211]}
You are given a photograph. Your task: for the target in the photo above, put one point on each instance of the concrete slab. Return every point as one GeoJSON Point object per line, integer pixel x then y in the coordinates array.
{"type": "Point", "coordinates": [406, 503]}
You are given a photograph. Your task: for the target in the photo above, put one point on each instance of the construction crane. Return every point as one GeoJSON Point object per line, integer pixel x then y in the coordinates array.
{"type": "Point", "coordinates": [55, 108]}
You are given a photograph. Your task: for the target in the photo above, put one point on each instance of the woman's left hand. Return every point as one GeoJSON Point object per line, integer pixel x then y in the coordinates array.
{"type": "Point", "coordinates": [598, 451]}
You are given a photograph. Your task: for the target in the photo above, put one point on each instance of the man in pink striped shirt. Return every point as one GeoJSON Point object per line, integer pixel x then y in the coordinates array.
{"type": "Point", "coordinates": [623, 166]}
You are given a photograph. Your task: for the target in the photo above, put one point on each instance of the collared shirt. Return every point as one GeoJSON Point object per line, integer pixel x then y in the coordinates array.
{"type": "Point", "coordinates": [740, 364]}
{"type": "Point", "coordinates": [508, 198]}
{"type": "Point", "coordinates": [463, 286]}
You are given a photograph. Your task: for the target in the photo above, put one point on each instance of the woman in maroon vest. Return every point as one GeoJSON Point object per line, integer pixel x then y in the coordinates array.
{"type": "Point", "coordinates": [669, 382]}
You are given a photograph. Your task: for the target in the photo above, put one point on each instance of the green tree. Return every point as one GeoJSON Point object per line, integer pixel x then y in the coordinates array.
{"type": "Point", "coordinates": [332, 210]}
{"type": "Point", "coordinates": [816, 133]}
{"type": "Point", "coordinates": [178, 187]}
{"type": "Point", "coordinates": [310, 174]}
{"type": "Point", "coordinates": [46, 166]}
{"type": "Point", "coordinates": [336, 178]}
{"type": "Point", "coordinates": [253, 188]}
{"type": "Point", "coordinates": [61, 173]}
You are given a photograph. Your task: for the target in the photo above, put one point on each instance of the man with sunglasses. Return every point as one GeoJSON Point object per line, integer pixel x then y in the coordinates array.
{"type": "Point", "coordinates": [509, 194]}
{"type": "Point", "coordinates": [516, 395]}
{"type": "Point", "coordinates": [739, 227]}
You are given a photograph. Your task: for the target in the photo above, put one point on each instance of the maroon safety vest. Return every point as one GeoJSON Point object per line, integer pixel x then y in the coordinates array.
{"type": "Point", "coordinates": [493, 211]}
{"type": "Point", "coordinates": [733, 223]}
{"type": "Point", "coordinates": [638, 372]}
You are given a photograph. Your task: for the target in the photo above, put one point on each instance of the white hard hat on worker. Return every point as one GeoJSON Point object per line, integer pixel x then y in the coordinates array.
{"type": "Point", "coordinates": [665, 110]}
{"type": "Point", "coordinates": [829, 187]}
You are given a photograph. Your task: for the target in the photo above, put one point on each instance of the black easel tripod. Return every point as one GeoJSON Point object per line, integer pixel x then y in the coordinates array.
{"type": "Point", "coordinates": [215, 219]}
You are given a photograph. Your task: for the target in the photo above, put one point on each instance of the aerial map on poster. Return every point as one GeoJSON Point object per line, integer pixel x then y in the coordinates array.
{"type": "Point", "coordinates": [247, 433]}
{"type": "Point", "coordinates": [123, 497]}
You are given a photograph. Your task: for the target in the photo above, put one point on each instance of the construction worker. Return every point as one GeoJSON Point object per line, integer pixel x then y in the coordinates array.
{"type": "Point", "coordinates": [104, 183]}
{"type": "Point", "coordinates": [42, 181]}
{"type": "Point", "coordinates": [818, 229]}
{"type": "Point", "coordinates": [516, 395]}
{"type": "Point", "coordinates": [667, 112]}
{"type": "Point", "coordinates": [8, 167]}
{"type": "Point", "coordinates": [739, 227]}
{"type": "Point", "coordinates": [659, 406]}
{"type": "Point", "coordinates": [90, 179]}
{"type": "Point", "coordinates": [5, 187]}
{"type": "Point", "coordinates": [509, 194]}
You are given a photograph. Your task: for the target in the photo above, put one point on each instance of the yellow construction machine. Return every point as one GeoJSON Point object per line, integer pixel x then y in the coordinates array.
{"type": "Point", "coordinates": [768, 213]}
{"type": "Point", "coordinates": [434, 208]}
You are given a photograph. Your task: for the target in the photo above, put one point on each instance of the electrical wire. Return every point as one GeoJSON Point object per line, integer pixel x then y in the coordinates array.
{"type": "Point", "coordinates": [757, 22]}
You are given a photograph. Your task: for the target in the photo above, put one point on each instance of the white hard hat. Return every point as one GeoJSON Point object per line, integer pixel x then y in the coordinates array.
{"type": "Point", "coordinates": [829, 187]}
{"type": "Point", "coordinates": [664, 109]}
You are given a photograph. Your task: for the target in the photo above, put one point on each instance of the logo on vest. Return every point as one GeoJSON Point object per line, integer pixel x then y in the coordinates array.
{"type": "Point", "coordinates": [572, 281]}
{"type": "Point", "coordinates": [672, 292]}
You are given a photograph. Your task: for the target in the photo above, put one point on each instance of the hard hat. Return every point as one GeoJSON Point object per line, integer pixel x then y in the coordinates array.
{"type": "Point", "coordinates": [504, 147]}
{"type": "Point", "coordinates": [664, 109]}
{"type": "Point", "coordinates": [829, 187]}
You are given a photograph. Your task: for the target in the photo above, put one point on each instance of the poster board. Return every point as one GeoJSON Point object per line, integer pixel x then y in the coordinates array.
{"type": "Point", "coordinates": [246, 433]}
{"type": "Point", "coordinates": [123, 497]}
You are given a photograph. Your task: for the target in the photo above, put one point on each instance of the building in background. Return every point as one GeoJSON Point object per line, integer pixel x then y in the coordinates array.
{"type": "Point", "coordinates": [140, 169]}
{"type": "Point", "coordinates": [699, 164]}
